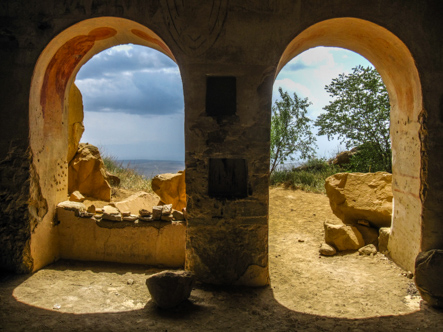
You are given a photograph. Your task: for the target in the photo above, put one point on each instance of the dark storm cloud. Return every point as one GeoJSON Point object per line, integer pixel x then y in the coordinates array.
{"type": "Point", "coordinates": [148, 86]}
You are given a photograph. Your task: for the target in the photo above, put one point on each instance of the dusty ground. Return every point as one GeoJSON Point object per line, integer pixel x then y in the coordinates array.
{"type": "Point", "coordinates": [308, 292]}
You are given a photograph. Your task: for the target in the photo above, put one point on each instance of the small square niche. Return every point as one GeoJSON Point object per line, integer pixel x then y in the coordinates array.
{"type": "Point", "coordinates": [221, 96]}
{"type": "Point", "coordinates": [228, 178]}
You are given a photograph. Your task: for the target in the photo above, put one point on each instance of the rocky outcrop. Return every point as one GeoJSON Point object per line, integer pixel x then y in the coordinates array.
{"type": "Point", "coordinates": [75, 121]}
{"type": "Point", "coordinates": [343, 237]}
{"type": "Point", "coordinates": [355, 196]}
{"type": "Point", "coordinates": [171, 189]}
{"type": "Point", "coordinates": [429, 276]}
{"type": "Point", "coordinates": [170, 288]}
{"type": "Point", "coordinates": [87, 173]}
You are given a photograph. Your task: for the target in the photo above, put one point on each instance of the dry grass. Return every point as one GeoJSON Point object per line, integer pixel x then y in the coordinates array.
{"type": "Point", "coordinates": [309, 177]}
{"type": "Point", "coordinates": [129, 178]}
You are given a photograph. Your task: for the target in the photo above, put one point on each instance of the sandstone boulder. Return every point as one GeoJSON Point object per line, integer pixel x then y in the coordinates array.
{"type": "Point", "coordinates": [327, 250]}
{"type": "Point", "coordinates": [178, 215]}
{"type": "Point", "coordinates": [383, 239]}
{"type": "Point", "coordinates": [87, 173]}
{"type": "Point", "coordinates": [75, 121]}
{"type": "Point", "coordinates": [170, 288]}
{"type": "Point", "coordinates": [76, 196]}
{"type": "Point", "coordinates": [370, 234]}
{"type": "Point", "coordinates": [171, 189]}
{"type": "Point", "coordinates": [157, 212]}
{"type": "Point", "coordinates": [368, 250]}
{"type": "Point", "coordinates": [367, 196]}
{"type": "Point", "coordinates": [343, 237]}
{"type": "Point", "coordinates": [429, 276]}
{"type": "Point", "coordinates": [111, 213]}
{"type": "Point", "coordinates": [137, 202]}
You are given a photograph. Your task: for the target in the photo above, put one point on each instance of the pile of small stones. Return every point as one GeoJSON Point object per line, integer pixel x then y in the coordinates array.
{"type": "Point", "coordinates": [112, 213]}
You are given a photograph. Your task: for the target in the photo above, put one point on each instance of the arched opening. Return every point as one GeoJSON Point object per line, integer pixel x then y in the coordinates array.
{"type": "Point", "coordinates": [395, 64]}
{"type": "Point", "coordinates": [53, 77]}
{"type": "Point", "coordinates": [392, 59]}
{"type": "Point", "coordinates": [295, 236]}
{"type": "Point", "coordinates": [133, 111]}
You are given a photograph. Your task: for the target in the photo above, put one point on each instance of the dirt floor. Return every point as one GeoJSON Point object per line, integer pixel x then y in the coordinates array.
{"type": "Point", "coordinates": [308, 292]}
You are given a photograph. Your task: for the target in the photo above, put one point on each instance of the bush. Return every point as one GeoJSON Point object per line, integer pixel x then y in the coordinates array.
{"type": "Point", "coordinates": [310, 176]}
{"type": "Point", "coordinates": [129, 177]}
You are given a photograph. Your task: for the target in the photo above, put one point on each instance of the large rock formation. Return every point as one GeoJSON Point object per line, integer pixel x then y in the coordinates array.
{"type": "Point", "coordinates": [171, 189]}
{"type": "Point", "coordinates": [75, 121]}
{"type": "Point", "coordinates": [87, 173]}
{"type": "Point", "coordinates": [367, 196]}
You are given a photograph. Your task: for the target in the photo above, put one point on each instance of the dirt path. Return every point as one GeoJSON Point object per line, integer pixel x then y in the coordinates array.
{"type": "Point", "coordinates": [307, 292]}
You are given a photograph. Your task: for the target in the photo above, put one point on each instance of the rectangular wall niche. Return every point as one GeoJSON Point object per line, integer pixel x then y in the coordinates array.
{"type": "Point", "coordinates": [221, 96]}
{"type": "Point", "coordinates": [228, 178]}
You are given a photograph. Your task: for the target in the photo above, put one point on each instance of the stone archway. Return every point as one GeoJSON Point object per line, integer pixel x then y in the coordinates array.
{"type": "Point", "coordinates": [396, 65]}
{"type": "Point", "coordinates": [52, 79]}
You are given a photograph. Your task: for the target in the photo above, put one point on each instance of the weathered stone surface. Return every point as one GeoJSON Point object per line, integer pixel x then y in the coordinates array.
{"type": "Point", "coordinates": [219, 254]}
{"type": "Point", "coordinates": [87, 173]}
{"type": "Point", "coordinates": [137, 202]}
{"type": "Point", "coordinates": [111, 213]}
{"type": "Point", "coordinates": [112, 217]}
{"type": "Point", "coordinates": [178, 215]}
{"type": "Point", "coordinates": [131, 217]}
{"type": "Point", "coordinates": [343, 237]}
{"type": "Point", "coordinates": [145, 213]}
{"type": "Point", "coordinates": [429, 276]}
{"type": "Point", "coordinates": [76, 196]}
{"type": "Point", "coordinates": [91, 209]}
{"type": "Point", "coordinates": [75, 121]}
{"type": "Point", "coordinates": [170, 288]}
{"type": "Point", "coordinates": [166, 218]}
{"type": "Point", "coordinates": [157, 212]}
{"type": "Point", "coordinates": [327, 250]}
{"type": "Point", "coordinates": [166, 209]}
{"type": "Point", "coordinates": [367, 196]}
{"type": "Point", "coordinates": [370, 234]}
{"type": "Point", "coordinates": [171, 189]}
{"type": "Point", "coordinates": [72, 206]}
{"type": "Point", "coordinates": [368, 250]}
{"type": "Point", "coordinates": [85, 214]}
{"type": "Point", "coordinates": [108, 209]}
{"type": "Point", "coordinates": [383, 239]}
{"type": "Point", "coordinates": [147, 218]}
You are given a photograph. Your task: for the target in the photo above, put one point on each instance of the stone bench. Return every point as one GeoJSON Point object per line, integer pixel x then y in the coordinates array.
{"type": "Point", "coordinates": [157, 243]}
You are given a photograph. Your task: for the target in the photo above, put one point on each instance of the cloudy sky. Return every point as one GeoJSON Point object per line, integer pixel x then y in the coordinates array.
{"type": "Point", "coordinates": [133, 98]}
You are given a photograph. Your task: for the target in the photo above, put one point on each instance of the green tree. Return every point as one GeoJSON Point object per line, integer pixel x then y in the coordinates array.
{"type": "Point", "coordinates": [359, 116]}
{"type": "Point", "coordinates": [290, 129]}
